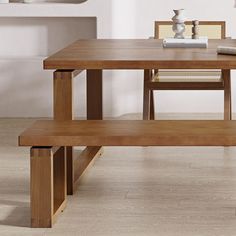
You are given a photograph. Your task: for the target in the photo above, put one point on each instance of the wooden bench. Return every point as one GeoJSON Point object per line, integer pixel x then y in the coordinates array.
{"type": "Point", "coordinates": [48, 161]}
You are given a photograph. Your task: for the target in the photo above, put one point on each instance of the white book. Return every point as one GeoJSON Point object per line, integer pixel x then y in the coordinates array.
{"type": "Point", "coordinates": [226, 50]}
{"type": "Point", "coordinates": [185, 43]}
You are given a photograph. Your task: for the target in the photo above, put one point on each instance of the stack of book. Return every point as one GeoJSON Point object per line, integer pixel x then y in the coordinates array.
{"type": "Point", "coordinates": [185, 43]}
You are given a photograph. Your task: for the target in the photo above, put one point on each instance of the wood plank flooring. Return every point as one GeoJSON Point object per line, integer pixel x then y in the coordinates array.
{"type": "Point", "coordinates": [170, 191]}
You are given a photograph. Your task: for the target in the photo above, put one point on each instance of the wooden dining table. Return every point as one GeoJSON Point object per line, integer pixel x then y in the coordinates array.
{"type": "Point", "coordinates": [97, 55]}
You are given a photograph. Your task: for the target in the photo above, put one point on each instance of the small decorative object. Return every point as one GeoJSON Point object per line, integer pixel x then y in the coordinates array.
{"type": "Point", "coordinates": [27, 1]}
{"type": "Point", "coordinates": [178, 24]}
{"type": "Point", "coordinates": [195, 29]}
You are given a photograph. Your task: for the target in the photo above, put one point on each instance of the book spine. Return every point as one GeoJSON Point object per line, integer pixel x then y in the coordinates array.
{"type": "Point", "coordinates": [169, 45]}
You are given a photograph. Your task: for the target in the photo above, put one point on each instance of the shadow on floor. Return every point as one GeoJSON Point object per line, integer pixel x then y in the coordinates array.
{"type": "Point", "coordinates": [19, 216]}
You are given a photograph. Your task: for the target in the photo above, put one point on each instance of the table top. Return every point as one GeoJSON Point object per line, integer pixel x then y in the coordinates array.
{"type": "Point", "coordinates": [139, 54]}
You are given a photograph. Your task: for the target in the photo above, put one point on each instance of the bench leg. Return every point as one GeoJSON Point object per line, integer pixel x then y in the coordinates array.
{"type": "Point", "coordinates": [48, 185]}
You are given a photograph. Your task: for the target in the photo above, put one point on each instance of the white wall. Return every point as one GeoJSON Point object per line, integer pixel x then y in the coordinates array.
{"type": "Point", "coordinates": [123, 89]}
{"type": "Point", "coordinates": [25, 88]}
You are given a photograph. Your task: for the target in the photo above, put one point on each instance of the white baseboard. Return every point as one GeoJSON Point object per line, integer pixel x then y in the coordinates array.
{"type": "Point", "coordinates": [159, 116]}
{"type": "Point", "coordinates": [176, 116]}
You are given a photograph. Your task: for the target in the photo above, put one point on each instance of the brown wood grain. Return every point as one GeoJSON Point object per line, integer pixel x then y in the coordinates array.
{"type": "Point", "coordinates": [130, 133]}
{"type": "Point", "coordinates": [41, 172]}
{"type": "Point", "coordinates": [86, 158]}
{"type": "Point", "coordinates": [226, 74]}
{"type": "Point", "coordinates": [152, 106]}
{"type": "Point", "coordinates": [48, 185]}
{"type": "Point", "coordinates": [139, 54]}
{"type": "Point", "coordinates": [186, 85]}
{"type": "Point", "coordinates": [63, 105]}
{"type": "Point", "coordinates": [94, 95]}
{"type": "Point", "coordinates": [63, 95]}
{"type": "Point", "coordinates": [146, 94]}
{"type": "Point", "coordinates": [59, 178]}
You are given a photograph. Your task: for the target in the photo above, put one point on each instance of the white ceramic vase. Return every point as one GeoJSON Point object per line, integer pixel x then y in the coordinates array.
{"type": "Point", "coordinates": [178, 23]}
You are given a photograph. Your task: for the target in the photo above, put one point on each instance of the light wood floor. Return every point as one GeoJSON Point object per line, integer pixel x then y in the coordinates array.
{"type": "Point", "coordinates": [128, 192]}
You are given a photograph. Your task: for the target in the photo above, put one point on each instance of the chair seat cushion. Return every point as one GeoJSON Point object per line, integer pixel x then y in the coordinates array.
{"type": "Point", "coordinates": [188, 76]}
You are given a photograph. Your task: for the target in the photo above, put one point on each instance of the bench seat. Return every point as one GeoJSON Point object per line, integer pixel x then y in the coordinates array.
{"type": "Point", "coordinates": [49, 141]}
{"type": "Point", "coordinates": [130, 133]}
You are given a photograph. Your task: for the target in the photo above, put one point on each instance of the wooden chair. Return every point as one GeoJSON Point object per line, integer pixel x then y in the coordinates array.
{"type": "Point", "coordinates": [187, 79]}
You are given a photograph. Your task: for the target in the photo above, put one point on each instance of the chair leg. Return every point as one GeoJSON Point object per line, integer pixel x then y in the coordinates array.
{"type": "Point", "coordinates": [227, 95]}
{"type": "Point", "coordinates": [152, 106]}
{"type": "Point", "coordinates": [146, 104]}
{"type": "Point", "coordinates": [146, 95]}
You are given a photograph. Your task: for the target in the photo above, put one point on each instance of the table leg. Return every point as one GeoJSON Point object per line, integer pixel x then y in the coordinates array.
{"type": "Point", "coordinates": [94, 112]}
{"type": "Point", "coordinates": [94, 95]}
{"type": "Point", "coordinates": [63, 110]}
{"type": "Point", "coordinates": [227, 95]}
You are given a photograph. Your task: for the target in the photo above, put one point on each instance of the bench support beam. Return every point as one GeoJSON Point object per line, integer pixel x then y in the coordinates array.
{"type": "Point", "coordinates": [48, 185]}
{"type": "Point", "coordinates": [85, 159]}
